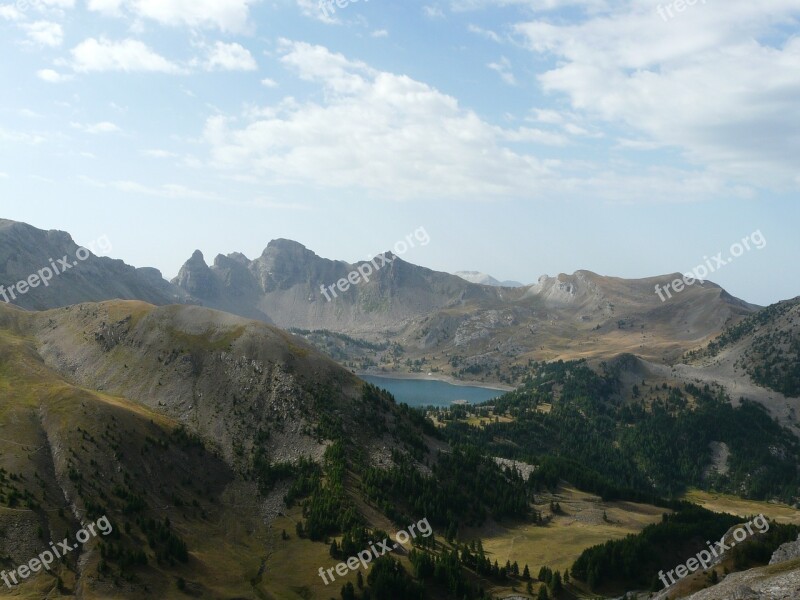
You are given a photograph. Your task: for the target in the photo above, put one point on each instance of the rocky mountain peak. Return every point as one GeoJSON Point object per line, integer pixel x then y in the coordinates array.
{"type": "Point", "coordinates": [195, 277]}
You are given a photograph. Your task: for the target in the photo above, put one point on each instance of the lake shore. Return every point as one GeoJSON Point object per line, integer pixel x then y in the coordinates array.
{"type": "Point", "coordinates": [438, 377]}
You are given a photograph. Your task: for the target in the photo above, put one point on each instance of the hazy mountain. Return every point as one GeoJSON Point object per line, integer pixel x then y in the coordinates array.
{"type": "Point", "coordinates": [457, 327]}
{"type": "Point", "coordinates": [484, 279]}
{"type": "Point", "coordinates": [437, 321]}
{"type": "Point", "coordinates": [284, 285]}
{"type": "Point", "coordinates": [27, 252]}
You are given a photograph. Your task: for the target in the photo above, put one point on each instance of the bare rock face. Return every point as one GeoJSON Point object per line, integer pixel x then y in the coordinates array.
{"type": "Point", "coordinates": [196, 278]}
{"type": "Point", "coordinates": [765, 583]}
{"type": "Point", "coordinates": [743, 592]}
{"type": "Point", "coordinates": [779, 581]}
{"type": "Point", "coordinates": [786, 552]}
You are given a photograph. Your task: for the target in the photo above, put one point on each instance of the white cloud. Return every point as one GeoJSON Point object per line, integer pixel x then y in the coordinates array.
{"type": "Point", "coordinates": [265, 203]}
{"type": "Point", "coordinates": [313, 9]}
{"type": "Point", "coordinates": [16, 11]}
{"type": "Point", "coordinates": [51, 76]}
{"type": "Point", "coordinates": [226, 15]}
{"type": "Point", "coordinates": [108, 7]}
{"type": "Point", "coordinates": [97, 128]}
{"type": "Point", "coordinates": [9, 12]}
{"type": "Point", "coordinates": [503, 68]}
{"type": "Point", "coordinates": [566, 121]}
{"type": "Point", "coordinates": [385, 133]}
{"type": "Point", "coordinates": [433, 12]}
{"type": "Point", "coordinates": [3, 175]}
{"type": "Point", "coordinates": [270, 83]}
{"type": "Point", "coordinates": [54, 3]}
{"type": "Point", "coordinates": [22, 8]}
{"type": "Point", "coordinates": [230, 57]}
{"type": "Point", "coordinates": [21, 137]}
{"type": "Point", "coordinates": [379, 33]}
{"type": "Point", "coordinates": [171, 191]}
{"type": "Point", "coordinates": [156, 153]}
{"type": "Point", "coordinates": [537, 136]}
{"type": "Point", "coordinates": [45, 33]}
{"type": "Point", "coordinates": [721, 85]}
{"type": "Point", "coordinates": [487, 33]}
{"type": "Point", "coordinates": [396, 138]}
{"type": "Point", "coordinates": [549, 116]}
{"type": "Point", "coordinates": [533, 5]}
{"type": "Point", "coordinates": [45, 6]}
{"type": "Point", "coordinates": [127, 55]}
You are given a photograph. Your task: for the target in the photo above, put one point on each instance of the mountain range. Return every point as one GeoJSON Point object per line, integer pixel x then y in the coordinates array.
{"type": "Point", "coordinates": [207, 419]}
{"type": "Point", "coordinates": [438, 319]}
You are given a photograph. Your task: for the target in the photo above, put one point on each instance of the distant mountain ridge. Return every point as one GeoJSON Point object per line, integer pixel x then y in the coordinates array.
{"type": "Point", "coordinates": [437, 321]}
{"type": "Point", "coordinates": [284, 286]}
{"type": "Point", "coordinates": [484, 279]}
{"type": "Point", "coordinates": [454, 326]}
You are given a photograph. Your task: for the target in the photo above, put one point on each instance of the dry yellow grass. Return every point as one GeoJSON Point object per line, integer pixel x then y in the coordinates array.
{"type": "Point", "coordinates": [724, 503]}
{"type": "Point", "coordinates": [559, 543]}
{"type": "Point", "coordinates": [476, 421]}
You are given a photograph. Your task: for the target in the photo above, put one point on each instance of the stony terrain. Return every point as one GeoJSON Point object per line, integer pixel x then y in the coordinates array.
{"type": "Point", "coordinates": [778, 581]}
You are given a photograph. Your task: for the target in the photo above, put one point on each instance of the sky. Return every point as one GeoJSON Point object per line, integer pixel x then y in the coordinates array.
{"type": "Point", "coordinates": [526, 137]}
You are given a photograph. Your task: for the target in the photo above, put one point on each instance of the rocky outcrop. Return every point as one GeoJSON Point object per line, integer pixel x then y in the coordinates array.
{"type": "Point", "coordinates": [788, 551]}
{"type": "Point", "coordinates": [778, 581]}
{"type": "Point", "coordinates": [196, 278]}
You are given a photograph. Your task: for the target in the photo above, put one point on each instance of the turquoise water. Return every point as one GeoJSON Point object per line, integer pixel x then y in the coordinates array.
{"type": "Point", "coordinates": [419, 392]}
